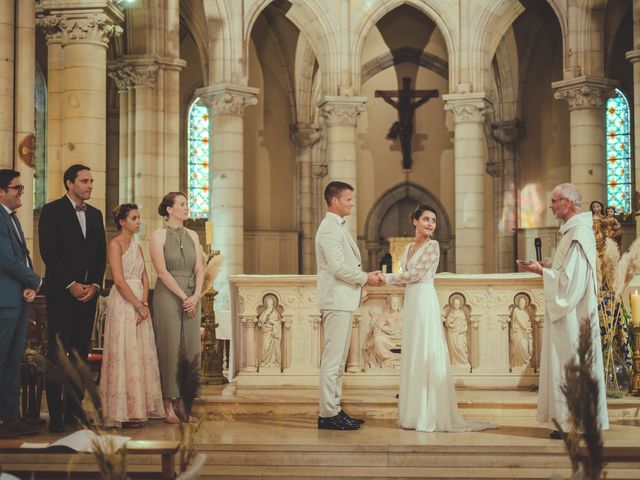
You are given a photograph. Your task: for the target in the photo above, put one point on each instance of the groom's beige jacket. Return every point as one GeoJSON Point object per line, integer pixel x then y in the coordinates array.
{"type": "Point", "coordinates": [340, 276]}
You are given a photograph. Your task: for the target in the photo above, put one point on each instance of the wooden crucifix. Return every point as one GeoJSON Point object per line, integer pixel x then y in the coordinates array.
{"type": "Point", "coordinates": [403, 128]}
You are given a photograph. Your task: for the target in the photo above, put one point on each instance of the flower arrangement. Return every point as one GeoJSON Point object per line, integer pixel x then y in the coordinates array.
{"type": "Point", "coordinates": [614, 275]}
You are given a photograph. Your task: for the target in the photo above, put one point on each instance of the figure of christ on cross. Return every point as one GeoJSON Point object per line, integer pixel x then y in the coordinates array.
{"type": "Point", "coordinates": [403, 128]}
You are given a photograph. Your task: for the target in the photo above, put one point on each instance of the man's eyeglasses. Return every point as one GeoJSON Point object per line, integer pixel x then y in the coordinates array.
{"type": "Point", "coordinates": [554, 200]}
{"type": "Point", "coordinates": [17, 188]}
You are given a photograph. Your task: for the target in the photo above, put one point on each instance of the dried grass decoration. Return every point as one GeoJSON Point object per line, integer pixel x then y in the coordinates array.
{"type": "Point", "coordinates": [581, 391]}
{"type": "Point", "coordinates": [188, 378]}
{"type": "Point", "coordinates": [76, 378]}
{"type": "Point", "coordinates": [213, 265]}
{"type": "Point", "coordinates": [614, 275]}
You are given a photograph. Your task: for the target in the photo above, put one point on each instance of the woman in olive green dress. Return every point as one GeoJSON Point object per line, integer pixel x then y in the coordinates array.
{"type": "Point", "coordinates": [177, 258]}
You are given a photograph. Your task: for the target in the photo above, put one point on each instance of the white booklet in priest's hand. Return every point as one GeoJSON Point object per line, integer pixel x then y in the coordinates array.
{"type": "Point", "coordinates": [83, 441]}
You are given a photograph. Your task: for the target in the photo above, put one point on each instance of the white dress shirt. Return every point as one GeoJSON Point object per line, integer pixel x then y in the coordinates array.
{"type": "Point", "coordinates": [82, 217]}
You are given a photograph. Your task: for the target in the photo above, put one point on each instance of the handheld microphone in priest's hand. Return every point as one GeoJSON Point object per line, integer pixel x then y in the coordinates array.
{"type": "Point", "coordinates": [538, 244]}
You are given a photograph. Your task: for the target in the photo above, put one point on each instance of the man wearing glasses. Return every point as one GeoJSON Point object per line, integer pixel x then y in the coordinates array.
{"type": "Point", "coordinates": [18, 287]}
{"type": "Point", "coordinates": [571, 298]}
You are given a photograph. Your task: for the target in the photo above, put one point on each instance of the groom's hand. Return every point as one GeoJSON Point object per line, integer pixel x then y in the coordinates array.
{"type": "Point", "coordinates": [373, 278]}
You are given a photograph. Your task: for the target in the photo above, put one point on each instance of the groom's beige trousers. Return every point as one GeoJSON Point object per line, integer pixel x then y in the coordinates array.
{"type": "Point", "coordinates": [337, 338]}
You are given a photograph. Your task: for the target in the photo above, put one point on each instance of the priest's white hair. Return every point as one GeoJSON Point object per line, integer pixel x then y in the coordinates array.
{"type": "Point", "coordinates": [570, 191]}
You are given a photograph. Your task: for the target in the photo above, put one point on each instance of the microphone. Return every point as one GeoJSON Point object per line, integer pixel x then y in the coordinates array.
{"type": "Point", "coordinates": [538, 244]}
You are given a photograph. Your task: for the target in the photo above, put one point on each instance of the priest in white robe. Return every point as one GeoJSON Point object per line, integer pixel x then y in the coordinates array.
{"type": "Point", "coordinates": [571, 297]}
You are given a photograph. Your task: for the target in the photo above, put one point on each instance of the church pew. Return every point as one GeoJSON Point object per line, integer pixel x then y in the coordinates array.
{"type": "Point", "coordinates": [167, 450]}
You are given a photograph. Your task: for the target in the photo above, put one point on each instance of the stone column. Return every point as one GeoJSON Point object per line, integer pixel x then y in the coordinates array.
{"type": "Point", "coordinates": [504, 171]}
{"type": "Point", "coordinates": [148, 161]}
{"type": "Point", "coordinates": [124, 82]}
{"type": "Point", "coordinates": [249, 344]}
{"type": "Point", "coordinates": [353, 356]}
{"type": "Point", "coordinates": [634, 57]}
{"type": "Point", "coordinates": [7, 66]}
{"type": "Point", "coordinates": [226, 104]}
{"type": "Point", "coordinates": [144, 138]}
{"type": "Point", "coordinates": [84, 33]}
{"type": "Point", "coordinates": [304, 136]}
{"type": "Point", "coordinates": [55, 70]}
{"type": "Point", "coordinates": [24, 107]}
{"type": "Point", "coordinates": [587, 99]}
{"type": "Point", "coordinates": [468, 112]}
{"type": "Point", "coordinates": [341, 116]}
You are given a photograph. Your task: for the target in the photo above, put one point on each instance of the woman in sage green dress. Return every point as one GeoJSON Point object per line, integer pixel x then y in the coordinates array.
{"type": "Point", "coordinates": [177, 258]}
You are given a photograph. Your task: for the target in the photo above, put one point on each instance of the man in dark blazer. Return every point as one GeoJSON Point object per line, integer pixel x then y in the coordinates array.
{"type": "Point", "coordinates": [72, 245]}
{"type": "Point", "coordinates": [18, 287]}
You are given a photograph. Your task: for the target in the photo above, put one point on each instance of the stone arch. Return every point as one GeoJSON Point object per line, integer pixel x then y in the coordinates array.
{"type": "Point", "coordinates": [487, 31]}
{"type": "Point", "coordinates": [564, 29]}
{"type": "Point", "coordinates": [223, 42]}
{"type": "Point", "coordinates": [590, 23]}
{"type": "Point", "coordinates": [376, 246]}
{"type": "Point", "coordinates": [615, 16]}
{"type": "Point", "coordinates": [431, 9]}
{"type": "Point", "coordinates": [197, 28]}
{"type": "Point", "coordinates": [305, 77]}
{"type": "Point", "coordinates": [311, 19]}
{"type": "Point", "coordinates": [402, 55]}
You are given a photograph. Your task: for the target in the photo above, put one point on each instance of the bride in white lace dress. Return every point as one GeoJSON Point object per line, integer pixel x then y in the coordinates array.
{"type": "Point", "coordinates": [427, 395]}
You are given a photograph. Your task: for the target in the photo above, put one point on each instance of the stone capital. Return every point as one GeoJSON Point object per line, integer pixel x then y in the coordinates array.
{"type": "Point", "coordinates": [304, 135]}
{"type": "Point", "coordinates": [227, 99]}
{"type": "Point", "coordinates": [120, 76]}
{"type": "Point", "coordinates": [84, 22]}
{"type": "Point", "coordinates": [140, 71]}
{"type": "Point", "coordinates": [633, 56]}
{"type": "Point", "coordinates": [584, 92]}
{"type": "Point", "coordinates": [507, 132]}
{"type": "Point", "coordinates": [467, 107]}
{"type": "Point", "coordinates": [339, 110]}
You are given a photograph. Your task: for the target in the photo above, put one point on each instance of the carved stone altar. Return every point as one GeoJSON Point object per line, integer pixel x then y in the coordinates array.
{"type": "Point", "coordinates": [494, 322]}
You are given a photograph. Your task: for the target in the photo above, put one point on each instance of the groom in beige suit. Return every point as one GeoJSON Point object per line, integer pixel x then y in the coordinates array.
{"type": "Point", "coordinates": [340, 281]}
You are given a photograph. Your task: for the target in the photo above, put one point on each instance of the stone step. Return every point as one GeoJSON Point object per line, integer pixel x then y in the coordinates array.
{"type": "Point", "coordinates": [395, 473]}
{"type": "Point", "coordinates": [379, 403]}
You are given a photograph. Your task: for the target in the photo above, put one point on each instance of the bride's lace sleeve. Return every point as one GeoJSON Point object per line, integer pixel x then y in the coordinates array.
{"type": "Point", "coordinates": [428, 258]}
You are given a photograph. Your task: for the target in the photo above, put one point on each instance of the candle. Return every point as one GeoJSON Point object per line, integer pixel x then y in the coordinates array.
{"type": "Point", "coordinates": [208, 232]}
{"type": "Point", "coordinates": [635, 308]}
{"type": "Point", "coordinates": [384, 268]}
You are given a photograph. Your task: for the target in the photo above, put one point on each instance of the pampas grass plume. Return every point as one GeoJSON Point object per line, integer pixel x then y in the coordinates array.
{"type": "Point", "coordinates": [627, 268]}
{"type": "Point", "coordinates": [211, 270]}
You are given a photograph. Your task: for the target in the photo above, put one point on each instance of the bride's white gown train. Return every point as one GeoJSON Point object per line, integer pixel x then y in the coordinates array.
{"type": "Point", "coordinates": [427, 394]}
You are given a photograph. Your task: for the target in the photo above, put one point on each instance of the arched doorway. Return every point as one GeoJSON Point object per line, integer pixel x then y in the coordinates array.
{"type": "Point", "coordinates": [389, 217]}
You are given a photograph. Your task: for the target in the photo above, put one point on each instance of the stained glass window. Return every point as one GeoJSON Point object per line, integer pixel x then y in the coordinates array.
{"type": "Point", "coordinates": [198, 162]}
{"type": "Point", "coordinates": [40, 127]}
{"type": "Point", "coordinates": [619, 192]}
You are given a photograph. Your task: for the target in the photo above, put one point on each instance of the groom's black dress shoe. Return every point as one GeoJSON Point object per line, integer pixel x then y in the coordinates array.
{"type": "Point", "coordinates": [556, 435]}
{"type": "Point", "coordinates": [336, 423]}
{"type": "Point", "coordinates": [344, 415]}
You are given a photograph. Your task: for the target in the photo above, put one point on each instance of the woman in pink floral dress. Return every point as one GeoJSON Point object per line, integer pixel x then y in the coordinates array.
{"type": "Point", "coordinates": [130, 380]}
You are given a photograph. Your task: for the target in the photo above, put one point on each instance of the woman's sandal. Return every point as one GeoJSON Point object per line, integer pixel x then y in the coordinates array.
{"type": "Point", "coordinates": [171, 418]}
